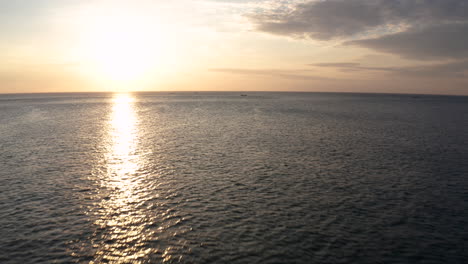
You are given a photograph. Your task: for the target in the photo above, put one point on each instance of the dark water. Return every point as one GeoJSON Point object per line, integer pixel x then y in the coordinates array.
{"type": "Point", "coordinates": [224, 178]}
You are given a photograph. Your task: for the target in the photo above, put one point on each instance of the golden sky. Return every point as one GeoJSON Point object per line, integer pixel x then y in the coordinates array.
{"type": "Point", "coordinates": [227, 45]}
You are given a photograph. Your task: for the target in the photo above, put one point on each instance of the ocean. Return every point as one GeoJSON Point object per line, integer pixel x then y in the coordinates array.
{"type": "Point", "coordinates": [224, 178]}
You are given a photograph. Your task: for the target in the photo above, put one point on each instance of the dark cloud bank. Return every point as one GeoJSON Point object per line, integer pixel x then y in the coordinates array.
{"type": "Point", "coordinates": [414, 29]}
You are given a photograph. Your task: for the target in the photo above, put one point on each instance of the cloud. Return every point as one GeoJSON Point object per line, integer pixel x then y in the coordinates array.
{"type": "Point", "coordinates": [451, 69]}
{"type": "Point", "coordinates": [457, 69]}
{"type": "Point", "coordinates": [351, 66]}
{"type": "Point", "coordinates": [416, 29]}
{"type": "Point", "coordinates": [286, 74]}
{"type": "Point", "coordinates": [434, 42]}
{"type": "Point", "coordinates": [321, 19]}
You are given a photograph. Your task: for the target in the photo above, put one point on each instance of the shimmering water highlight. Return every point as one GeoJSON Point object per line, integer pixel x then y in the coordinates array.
{"type": "Point", "coordinates": [224, 178]}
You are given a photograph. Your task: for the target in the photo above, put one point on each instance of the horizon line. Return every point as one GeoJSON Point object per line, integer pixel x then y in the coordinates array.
{"type": "Point", "coordinates": [233, 91]}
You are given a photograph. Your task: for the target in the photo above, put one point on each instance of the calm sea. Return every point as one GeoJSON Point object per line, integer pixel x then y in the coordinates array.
{"type": "Point", "coordinates": [225, 178]}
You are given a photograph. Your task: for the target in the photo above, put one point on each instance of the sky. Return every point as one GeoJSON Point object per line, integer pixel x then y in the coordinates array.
{"type": "Point", "coordinates": [378, 46]}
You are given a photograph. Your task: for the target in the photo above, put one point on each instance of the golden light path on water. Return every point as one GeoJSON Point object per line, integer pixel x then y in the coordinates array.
{"type": "Point", "coordinates": [123, 234]}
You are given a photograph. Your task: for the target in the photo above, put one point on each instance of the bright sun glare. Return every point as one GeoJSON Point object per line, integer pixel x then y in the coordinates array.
{"type": "Point", "coordinates": [121, 47]}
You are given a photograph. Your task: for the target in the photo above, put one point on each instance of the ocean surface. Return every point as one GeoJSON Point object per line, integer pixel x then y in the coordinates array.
{"type": "Point", "coordinates": [225, 178]}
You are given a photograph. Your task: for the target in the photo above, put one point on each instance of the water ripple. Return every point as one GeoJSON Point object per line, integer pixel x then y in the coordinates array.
{"type": "Point", "coordinates": [219, 178]}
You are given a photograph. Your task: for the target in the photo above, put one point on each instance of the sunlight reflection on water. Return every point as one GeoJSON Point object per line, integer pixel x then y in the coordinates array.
{"type": "Point", "coordinates": [122, 234]}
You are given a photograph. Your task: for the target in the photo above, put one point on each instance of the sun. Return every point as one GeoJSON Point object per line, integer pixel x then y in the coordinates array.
{"type": "Point", "coordinates": [121, 48]}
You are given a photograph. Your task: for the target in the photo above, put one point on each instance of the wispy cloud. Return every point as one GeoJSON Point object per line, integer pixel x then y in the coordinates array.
{"type": "Point", "coordinates": [451, 69]}
{"type": "Point", "coordinates": [286, 74]}
{"type": "Point", "coordinates": [351, 66]}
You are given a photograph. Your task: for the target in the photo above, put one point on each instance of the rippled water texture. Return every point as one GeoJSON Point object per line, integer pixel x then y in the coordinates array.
{"type": "Point", "coordinates": [224, 178]}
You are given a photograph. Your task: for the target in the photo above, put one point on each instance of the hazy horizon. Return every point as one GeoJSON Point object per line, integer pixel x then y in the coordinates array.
{"type": "Point", "coordinates": [240, 92]}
